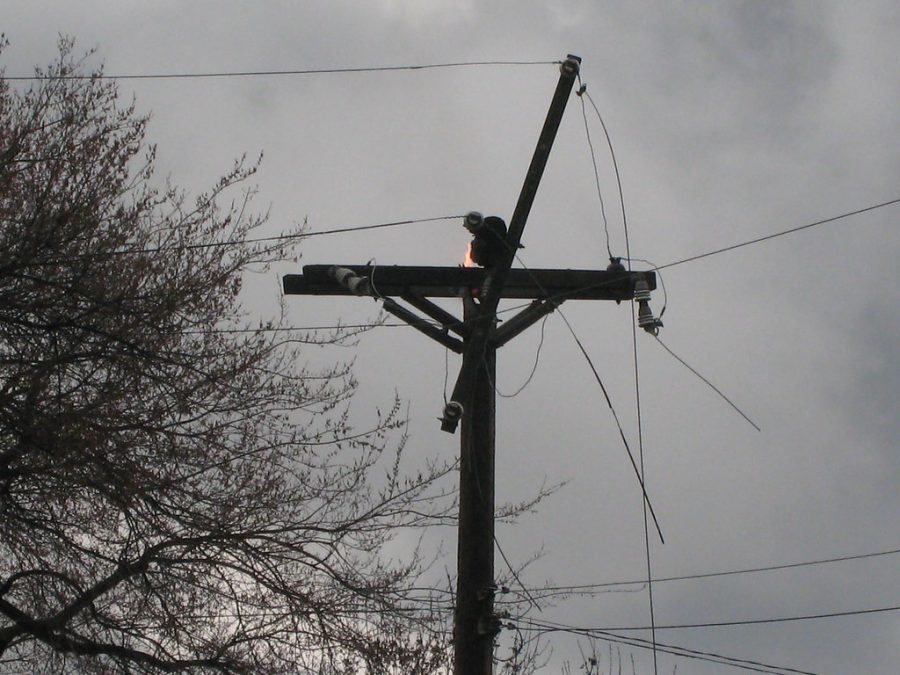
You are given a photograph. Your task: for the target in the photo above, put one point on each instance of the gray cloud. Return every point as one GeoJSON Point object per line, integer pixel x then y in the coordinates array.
{"type": "Point", "coordinates": [730, 121]}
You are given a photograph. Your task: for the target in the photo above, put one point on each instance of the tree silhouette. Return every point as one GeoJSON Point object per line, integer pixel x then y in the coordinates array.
{"type": "Point", "coordinates": [177, 491]}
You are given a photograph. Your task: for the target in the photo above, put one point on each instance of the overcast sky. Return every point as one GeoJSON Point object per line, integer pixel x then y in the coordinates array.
{"type": "Point", "coordinates": [730, 121]}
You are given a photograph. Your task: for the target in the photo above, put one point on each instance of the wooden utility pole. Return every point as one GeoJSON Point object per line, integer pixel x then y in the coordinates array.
{"type": "Point", "coordinates": [474, 623]}
{"type": "Point", "coordinates": [477, 337]}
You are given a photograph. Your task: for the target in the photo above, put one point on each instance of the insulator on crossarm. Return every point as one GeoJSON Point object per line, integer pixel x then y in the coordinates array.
{"type": "Point", "coordinates": [646, 320]}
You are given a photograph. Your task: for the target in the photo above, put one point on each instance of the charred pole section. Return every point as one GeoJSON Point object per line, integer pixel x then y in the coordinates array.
{"type": "Point", "coordinates": [477, 336]}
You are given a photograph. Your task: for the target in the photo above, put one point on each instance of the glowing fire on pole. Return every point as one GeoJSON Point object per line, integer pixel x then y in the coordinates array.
{"type": "Point", "coordinates": [467, 261]}
{"type": "Point", "coordinates": [488, 243]}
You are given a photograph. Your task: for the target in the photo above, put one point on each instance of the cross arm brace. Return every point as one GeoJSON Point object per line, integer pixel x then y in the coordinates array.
{"type": "Point", "coordinates": [362, 285]}
{"type": "Point", "coordinates": [422, 325]}
{"type": "Point", "coordinates": [439, 314]}
{"type": "Point", "coordinates": [523, 320]}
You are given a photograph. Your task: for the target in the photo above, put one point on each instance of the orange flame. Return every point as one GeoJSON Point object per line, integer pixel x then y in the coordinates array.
{"type": "Point", "coordinates": [467, 261]}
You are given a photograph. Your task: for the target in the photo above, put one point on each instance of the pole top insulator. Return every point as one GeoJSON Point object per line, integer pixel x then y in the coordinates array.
{"type": "Point", "coordinates": [473, 221]}
{"type": "Point", "coordinates": [571, 66]}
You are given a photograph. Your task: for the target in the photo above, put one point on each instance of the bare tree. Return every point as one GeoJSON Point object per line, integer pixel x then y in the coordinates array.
{"type": "Point", "coordinates": [177, 492]}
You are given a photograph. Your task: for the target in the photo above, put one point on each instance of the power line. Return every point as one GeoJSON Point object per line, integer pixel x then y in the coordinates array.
{"type": "Point", "coordinates": [582, 93]}
{"type": "Point", "coordinates": [516, 575]}
{"type": "Point", "coordinates": [754, 622]}
{"type": "Point", "coordinates": [612, 154]}
{"type": "Point", "coordinates": [537, 360]}
{"type": "Point", "coordinates": [278, 73]}
{"type": "Point", "coordinates": [746, 570]}
{"type": "Point", "coordinates": [564, 295]}
{"type": "Point", "coordinates": [707, 382]}
{"type": "Point", "coordinates": [587, 132]}
{"type": "Point", "coordinates": [597, 377]}
{"type": "Point", "coordinates": [780, 234]}
{"type": "Point", "coordinates": [684, 652]}
{"type": "Point", "coordinates": [257, 240]}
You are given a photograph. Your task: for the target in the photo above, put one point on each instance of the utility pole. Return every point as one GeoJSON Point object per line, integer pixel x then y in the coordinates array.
{"type": "Point", "coordinates": [477, 337]}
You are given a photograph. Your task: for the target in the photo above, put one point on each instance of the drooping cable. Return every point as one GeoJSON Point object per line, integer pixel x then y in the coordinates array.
{"type": "Point", "coordinates": [515, 574]}
{"type": "Point", "coordinates": [599, 380]}
{"type": "Point", "coordinates": [615, 415]}
{"type": "Point", "coordinates": [587, 131]}
{"type": "Point", "coordinates": [537, 359]}
{"type": "Point", "coordinates": [708, 383]}
{"type": "Point", "coordinates": [612, 154]}
{"type": "Point", "coordinates": [637, 387]}
{"type": "Point", "coordinates": [637, 397]}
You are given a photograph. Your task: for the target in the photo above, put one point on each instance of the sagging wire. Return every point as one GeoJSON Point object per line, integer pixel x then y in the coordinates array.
{"type": "Point", "coordinates": [582, 94]}
{"type": "Point", "coordinates": [599, 380]}
{"type": "Point", "coordinates": [515, 574]}
{"type": "Point", "coordinates": [650, 324]}
{"type": "Point", "coordinates": [587, 131]}
{"type": "Point", "coordinates": [537, 358]}
{"type": "Point", "coordinates": [708, 383]}
{"type": "Point", "coordinates": [703, 379]}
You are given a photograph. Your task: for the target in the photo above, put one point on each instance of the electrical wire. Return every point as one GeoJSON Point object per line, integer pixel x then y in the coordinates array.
{"type": "Point", "coordinates": [582, 93]}
{"type": "Point", "coordinates": [515, 574]}
{"type": "Point", "coordinates": [612, 154]}
{"type": "Point", "coordinates": [772, 568]}
{"type": "Point", "coordinates": [271, 73]}
{"type": "Point", "coordinates": [599, 380]}
{"type": "Point", "coordinates": [537, 359]}
{"type": "Point", "coordinates": [564, 295]}
{"type": "Point", "coordinates": [708, 383]}
{"type": "Point", "coordinates": [587, 132]}
{"type": "Point", "coordinates": [640, 429]}
{"type": "Point", "coordinates": [782, 233]}
{"type": "Point", "coordinates": [257, 240]}
{"type": "Point", "coordinates": [753, 622]}
{"type": "Point", "coordinates": [684, 652]}
{"type": "Point", "coordinates": [708, 575]}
